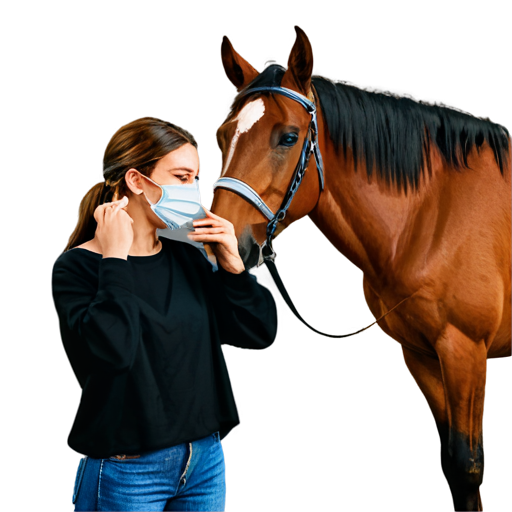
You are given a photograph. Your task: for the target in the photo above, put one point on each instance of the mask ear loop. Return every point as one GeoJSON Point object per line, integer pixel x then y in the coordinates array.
{"type": "Point", "coordinates": [159, 186]}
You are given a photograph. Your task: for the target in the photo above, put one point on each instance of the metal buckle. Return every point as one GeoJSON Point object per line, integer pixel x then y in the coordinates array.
{"type": "Point", "coordinates": [266, 253]}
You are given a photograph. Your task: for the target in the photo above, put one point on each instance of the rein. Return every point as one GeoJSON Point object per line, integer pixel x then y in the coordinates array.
{"type": "Point", "coordinates": [309, 147]}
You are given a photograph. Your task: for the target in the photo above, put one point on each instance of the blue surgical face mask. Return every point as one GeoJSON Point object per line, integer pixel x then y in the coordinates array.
{"type": "Point", "coordinates": [179, 205]}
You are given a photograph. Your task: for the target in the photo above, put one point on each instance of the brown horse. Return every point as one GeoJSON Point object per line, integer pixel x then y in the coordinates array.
{"type": "Point", "coordinates": [417, 196]}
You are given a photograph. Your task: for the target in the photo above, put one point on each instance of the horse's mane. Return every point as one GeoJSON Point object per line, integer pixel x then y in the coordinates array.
{"type": "Point", "coordinates": [392, 134]}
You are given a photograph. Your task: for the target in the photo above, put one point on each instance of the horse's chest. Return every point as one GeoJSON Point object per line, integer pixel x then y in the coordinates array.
{"type": "Point", "coordinates": [413, 326]}
{"type": "Point", "coordinates": [421, 320]}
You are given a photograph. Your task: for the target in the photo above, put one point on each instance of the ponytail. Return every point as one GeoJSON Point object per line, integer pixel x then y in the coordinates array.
{"type": "Point", "coordinates": [86, 226]}
{"type": "Point", "coordinates": [139, 145]}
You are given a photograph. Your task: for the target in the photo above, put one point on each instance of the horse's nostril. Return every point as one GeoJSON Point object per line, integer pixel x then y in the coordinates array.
{"type": "Point", "coordinates": [248, 249]}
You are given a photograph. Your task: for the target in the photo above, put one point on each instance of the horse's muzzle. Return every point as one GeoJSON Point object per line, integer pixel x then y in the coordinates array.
{"type": "Point", "coordinates": [249, 249]}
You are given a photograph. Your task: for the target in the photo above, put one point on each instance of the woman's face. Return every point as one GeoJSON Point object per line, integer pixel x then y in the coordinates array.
{"type": "Point", "coordinates": [179, 167]}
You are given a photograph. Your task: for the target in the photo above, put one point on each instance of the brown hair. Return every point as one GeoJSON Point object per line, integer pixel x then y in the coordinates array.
{"type": "Point", "coordinates": [139, 144]}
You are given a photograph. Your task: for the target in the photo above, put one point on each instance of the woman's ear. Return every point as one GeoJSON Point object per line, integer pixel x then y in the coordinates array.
{"type": "Point", "coordinates": [133, 181]}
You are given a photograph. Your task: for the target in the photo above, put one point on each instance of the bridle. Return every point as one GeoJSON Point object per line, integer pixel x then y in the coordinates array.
{"type": "Point", "coordinates": [310, 146]}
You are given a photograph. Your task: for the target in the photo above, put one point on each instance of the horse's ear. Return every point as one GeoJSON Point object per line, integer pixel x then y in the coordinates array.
{"type": "Point", "coordinates": [300, 65]}
{"type": "Point", "coordinates": [239, 71]}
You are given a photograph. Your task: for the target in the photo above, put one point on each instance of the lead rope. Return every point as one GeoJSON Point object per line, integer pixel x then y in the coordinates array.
{"type": "Point", "coordinates": [300, 169]}
{"type": "Point", "coordinates": [277, 279]}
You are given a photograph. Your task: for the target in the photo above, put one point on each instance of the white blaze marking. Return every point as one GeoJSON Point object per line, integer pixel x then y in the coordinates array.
{"type": "Point", "coordinates": [247, 117]}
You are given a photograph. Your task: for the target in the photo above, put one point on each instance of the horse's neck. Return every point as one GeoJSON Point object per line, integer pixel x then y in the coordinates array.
{"type": "Point", "coordinates": [373, 225]}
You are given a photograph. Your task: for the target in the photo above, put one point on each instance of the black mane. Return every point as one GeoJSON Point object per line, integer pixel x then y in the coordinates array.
{"type": "Point", "coordinates": [392, 134]}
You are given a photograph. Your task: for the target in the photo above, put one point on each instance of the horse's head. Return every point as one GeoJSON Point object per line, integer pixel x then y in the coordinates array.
{"type": "Point", "coordinates": [261, 142]}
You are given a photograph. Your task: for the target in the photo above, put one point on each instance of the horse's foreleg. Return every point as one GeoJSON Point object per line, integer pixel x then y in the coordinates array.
{"type": "Point", "coordinates": [463, 367]}
{"type": "Point", "coordinates": [454, 388]}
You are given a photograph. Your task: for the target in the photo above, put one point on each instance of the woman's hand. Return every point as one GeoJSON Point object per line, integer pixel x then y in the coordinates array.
{"type": "Point", "coordinates": [114, 232]}
{"type": "Point", "coordinates": [222, 240]}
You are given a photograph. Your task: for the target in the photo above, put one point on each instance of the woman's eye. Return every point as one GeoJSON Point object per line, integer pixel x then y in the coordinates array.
{"type": "Point", "coordinates": [183, 179]}
{"type": "Point", "coordinates": [288, 139]}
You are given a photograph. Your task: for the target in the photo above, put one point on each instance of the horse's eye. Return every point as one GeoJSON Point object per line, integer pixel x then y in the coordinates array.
{"type": "Point", "coordinates": [288, 139]}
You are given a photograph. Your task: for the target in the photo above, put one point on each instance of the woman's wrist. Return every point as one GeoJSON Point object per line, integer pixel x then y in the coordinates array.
{"type": "Point", "coordinates": [233, 266]}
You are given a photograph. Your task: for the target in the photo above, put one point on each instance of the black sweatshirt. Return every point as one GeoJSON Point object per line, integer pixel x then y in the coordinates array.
{"type": "Point", "coordinates": [144, 338]}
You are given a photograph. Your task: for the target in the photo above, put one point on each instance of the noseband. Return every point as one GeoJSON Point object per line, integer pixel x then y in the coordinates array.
{"type": "Point", "coordinates": [309, 146]}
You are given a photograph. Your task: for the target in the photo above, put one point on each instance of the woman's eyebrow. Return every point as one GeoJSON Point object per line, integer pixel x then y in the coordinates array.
{"type": "Point", "coordinates": [181, 169]}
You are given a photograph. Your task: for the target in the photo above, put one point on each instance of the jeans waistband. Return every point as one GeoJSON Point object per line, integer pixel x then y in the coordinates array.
{"type": "Point", "coordinates": [215, 437]}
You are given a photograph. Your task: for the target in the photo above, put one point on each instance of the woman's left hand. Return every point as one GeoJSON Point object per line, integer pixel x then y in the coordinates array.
{"type": "Point", "coordinates": [220, 234]}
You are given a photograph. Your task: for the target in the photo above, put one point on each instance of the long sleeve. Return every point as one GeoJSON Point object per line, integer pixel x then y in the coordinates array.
{"type": "Point", "coordinates": [104, 318]}
{"type": "Point", "coordinates": [246, 310]}
{"type": "Point", "coordinates": [144, 336]}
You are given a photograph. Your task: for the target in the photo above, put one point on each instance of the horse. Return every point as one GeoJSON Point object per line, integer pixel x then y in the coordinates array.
{"type": "Point", "coordinates": [416, 195]}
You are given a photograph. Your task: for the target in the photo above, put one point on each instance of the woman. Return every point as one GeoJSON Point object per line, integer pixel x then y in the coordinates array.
{"type": "Point", "coordinates": [142, 318]}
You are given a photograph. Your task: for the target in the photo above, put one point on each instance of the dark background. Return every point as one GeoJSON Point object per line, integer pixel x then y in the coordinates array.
{"type": "Point", "coordinates": [73, 73]}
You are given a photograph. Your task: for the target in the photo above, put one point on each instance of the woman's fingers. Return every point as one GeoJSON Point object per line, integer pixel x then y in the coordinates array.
{"type": "Point", "coordinates": [116, 210]}
{"type": "Point", "coordinates": [213, 228]}
{"type": "Point", "coordinates": [207, 224]}
{"type": "Point", "coordinates": [105, 211]}
{"type": "Point", "coordinates": [207, 237]}
{"type": "Point", "coordinates": [109, 212]}
{"type": "Point", "coordinates": [121, 203]}
{"type": "Point", "coordinates": [213, 215]}
{"type": "Point", "coordinates": [209, 220]}
{"type": "Point", "coordinates": [215, 222]}
{"type": "Point", "coordinates": [115, 231]}
{"type": "Point", "coordinates": [219, 229]}
{"type": "Point", "coordinates": [99, 212]}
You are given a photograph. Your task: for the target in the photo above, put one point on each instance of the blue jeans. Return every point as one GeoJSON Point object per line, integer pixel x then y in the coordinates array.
{"type": "Point", "coordinates": [187, 476]}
